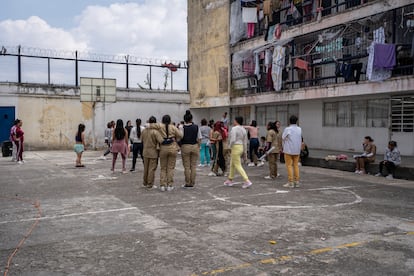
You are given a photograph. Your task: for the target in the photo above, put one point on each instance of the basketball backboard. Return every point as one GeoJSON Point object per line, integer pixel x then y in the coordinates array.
{"type": "Point", "coordinates": [97, 90]}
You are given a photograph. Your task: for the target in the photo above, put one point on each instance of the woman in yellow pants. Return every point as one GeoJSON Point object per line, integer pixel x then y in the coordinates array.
{"type": "Point", "coordinates": [238, 145]}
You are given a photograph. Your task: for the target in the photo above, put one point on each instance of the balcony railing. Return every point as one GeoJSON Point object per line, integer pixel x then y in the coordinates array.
{"type": "Point", "coordinates": [327, 57]}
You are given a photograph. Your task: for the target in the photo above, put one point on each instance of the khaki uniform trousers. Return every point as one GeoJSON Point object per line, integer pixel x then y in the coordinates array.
{"type": "Point", "coordinates": [272, 158]}
{"type": "Point", "coordinates": [168, 158]}
{"type": "Point", "coordinates": [190, 155]}
{"type": "Point", "coordinates": [150, 166]}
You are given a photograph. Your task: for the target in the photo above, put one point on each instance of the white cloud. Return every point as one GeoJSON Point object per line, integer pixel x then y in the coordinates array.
{"type": "Point", "coordinates": [35, 32]}
{"type": "Point", "coordinates": [146, 29]}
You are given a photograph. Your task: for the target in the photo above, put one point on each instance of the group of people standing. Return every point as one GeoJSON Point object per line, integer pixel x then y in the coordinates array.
{"type": "Point", "coordinates": [156, 142]}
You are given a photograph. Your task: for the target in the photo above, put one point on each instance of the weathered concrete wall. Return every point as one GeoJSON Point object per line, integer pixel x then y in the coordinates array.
{"type": "Point", "coordinates": [208, 52]}
{"type": "Point", "coordinates": [51, 114]}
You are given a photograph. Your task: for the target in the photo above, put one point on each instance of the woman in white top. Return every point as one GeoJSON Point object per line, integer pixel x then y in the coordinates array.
{"type": "Point", "coordinates": [238, 145]}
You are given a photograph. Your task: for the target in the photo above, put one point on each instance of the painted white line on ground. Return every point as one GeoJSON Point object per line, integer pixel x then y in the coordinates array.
{"type": "Point", "coordinates": [71, 215]}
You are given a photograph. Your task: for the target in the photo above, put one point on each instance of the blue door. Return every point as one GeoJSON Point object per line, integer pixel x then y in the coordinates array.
{"type": "Point", "coordinates": [7, 118]}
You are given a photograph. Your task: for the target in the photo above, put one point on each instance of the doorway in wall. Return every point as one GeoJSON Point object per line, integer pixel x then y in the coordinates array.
{"type": "Point", "coordinates": [7, 117]}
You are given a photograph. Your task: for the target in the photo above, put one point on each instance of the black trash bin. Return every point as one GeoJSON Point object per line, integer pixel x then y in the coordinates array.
{"type": "Point", "coordinates": [7, 148]}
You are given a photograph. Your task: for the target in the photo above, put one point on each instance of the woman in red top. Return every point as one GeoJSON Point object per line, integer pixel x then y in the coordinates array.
{"type": "Point", "coordinates": [19, 142]}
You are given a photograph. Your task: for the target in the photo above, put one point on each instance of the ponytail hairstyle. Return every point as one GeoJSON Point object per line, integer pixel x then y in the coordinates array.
{"type": "Point", "coordinates": [81, 128]}
{"type": "Point", "coordinates": [188, 117]}
{"type": "Point", "coordinates": [119, 130]}
{"type": "Point", "coordinates": [166, 119]}
{"type": "Point", "coordinates": [138, 122]}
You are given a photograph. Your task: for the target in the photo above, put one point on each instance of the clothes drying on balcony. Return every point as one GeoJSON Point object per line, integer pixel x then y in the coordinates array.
{"type": "Point", "coordinates": [278, 64]}
{"type": "Point", "coordinates": [249, 15]}
{"type": "Point", "coordinates": [384, 56]}
{"type": "Point", "coordinates": [373, 73]}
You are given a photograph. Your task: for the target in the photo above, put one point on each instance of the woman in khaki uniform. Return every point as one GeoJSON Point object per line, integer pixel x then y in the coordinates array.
{"type": "Point", "coordinates": [273, 139]}
{"type": "Point", "coordinates": [168, 152]}
{"type": "Point", "coordinates": [368, 156]}
{"type": "Point", "coordinates": [151, 138]}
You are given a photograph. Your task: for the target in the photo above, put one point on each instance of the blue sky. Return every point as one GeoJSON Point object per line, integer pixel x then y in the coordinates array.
{"type": "Point", "coordinates": [148, 28]}
{"type": "Point", "coordinates": [58, 13]}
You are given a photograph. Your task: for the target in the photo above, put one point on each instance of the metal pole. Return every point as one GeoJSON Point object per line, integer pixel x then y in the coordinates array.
{"type": "Point", "coordinates": [103, 71]}
{"type": "Point", "coordinates": [171, 81]}
{"type": "Point", "coordinates": [93, 126]}
{"type": "Point", "coordinates": [150, 78]}
{"type": "Point", "coordinates": [188, 77]}
{"type": "Point", "coordinates": [127, 72]}
{"type": "Point", "coordinates": [19, 65]}
{"type": "Point", "coordinates": [76, 69]}
{"type": "Point", "coordinates": [48, 70]}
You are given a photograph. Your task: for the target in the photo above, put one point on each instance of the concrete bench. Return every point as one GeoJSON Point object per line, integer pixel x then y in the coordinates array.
{"type": "Point", "coordinates": [401, 172]}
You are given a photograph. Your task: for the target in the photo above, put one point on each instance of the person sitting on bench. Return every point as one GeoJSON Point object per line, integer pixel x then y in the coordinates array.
{"type": "Point", "coordinates": [392, 159]}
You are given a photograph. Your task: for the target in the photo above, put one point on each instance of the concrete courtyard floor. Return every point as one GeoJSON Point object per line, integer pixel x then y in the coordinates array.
{"type": "Point", "coordinates": [88, 221]}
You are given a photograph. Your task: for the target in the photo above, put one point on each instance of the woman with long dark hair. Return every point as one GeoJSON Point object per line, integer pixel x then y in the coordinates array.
{"type": "Point", "coordinates": [253, 132]}
{"type": "Point", "coordinates": [119, 144]}
{"type": "Point", "coordinates": [137, 146]}
{"type": "Point", "coordinates": [168, 153]}
{"type": "Point", "coordinates": [190, 149]}
{"type": "Point", "coordinates": [273, 140]}
{"type": "Point", "coordinates": [80, 145]}
{"type": "Point", "coordinates": [217, 141]}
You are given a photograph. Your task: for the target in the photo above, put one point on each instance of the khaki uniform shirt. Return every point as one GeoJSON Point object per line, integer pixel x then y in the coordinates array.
{"type": "Point", "coordinates": [151, 139]}
{"type": "Point", "coordinates": [275, 139]}
{"type": "Point", "coordinates": [173, 132]}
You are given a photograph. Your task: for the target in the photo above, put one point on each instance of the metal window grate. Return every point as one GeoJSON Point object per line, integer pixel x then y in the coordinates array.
{"type": "Point", "coordinates": [402, 114]}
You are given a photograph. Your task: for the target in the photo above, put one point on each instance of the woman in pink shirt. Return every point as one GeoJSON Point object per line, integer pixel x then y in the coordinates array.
{"type": "Point", "coordinates": [19, 142]}
{"type": "Point", "coordinates": [253, 131]}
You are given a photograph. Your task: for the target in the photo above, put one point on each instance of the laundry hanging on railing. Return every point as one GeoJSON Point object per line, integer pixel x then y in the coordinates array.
{"type": "Point", "coordinates": [384, 56]}
{"type": "Point", "coordinates": [373, 73]}
{"type": "Point", "coordinates": [278, 65]}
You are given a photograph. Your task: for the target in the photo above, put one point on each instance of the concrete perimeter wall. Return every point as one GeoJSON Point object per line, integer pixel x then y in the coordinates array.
{"type": "Point", "coordinates": [51, 114]}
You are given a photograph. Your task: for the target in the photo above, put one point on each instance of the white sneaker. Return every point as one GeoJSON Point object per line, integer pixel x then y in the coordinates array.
{"type": "Point", "coordinates": [247, 184]}
{"type": "Point", "coordinates": [278, 175]}
{"type": "Point", "coordinates": [201, 165]}
{"type": "Point", "coordinates": [268, 177]}
{"type": "Point", "coordinates": [170, 188]}
{"type": "Point", "coordinates": [251, 164]}
{"type": "Point", "coordinates": [20, 162]}
{"type": "Point", "coordinates": [389, 176]}
{"type": "Point", "coordinates": [102, 157]}
{"type": "Point", "coordinates": [212, 174]}
{"type": "Point", "coordinates": [378, 174]}
{"type": "Point", "coordinates": [289, 185]}
{"type": "Point", "coordinates": [162, 188]}
{"type": "Point", "coordinates": [357, 171]}
{"type": "Point", "coordinates": [260, 164]}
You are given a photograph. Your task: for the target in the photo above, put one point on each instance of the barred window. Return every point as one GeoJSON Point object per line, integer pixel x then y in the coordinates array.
{"type": "Point", "coordinates": [330, 114]}
{"type": "Point", "coordinates": [344, 114]}
{"type": "Point", "coordinates": [359, 113]}
{"type": "Point", "coordinates": [370, 113]}
{"type": "Point", "coordinates": [377, 115]}
{"type": "Point", "coordinates": [402, 114]}
{"type": "Point", "coordinates": [271, 113]}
